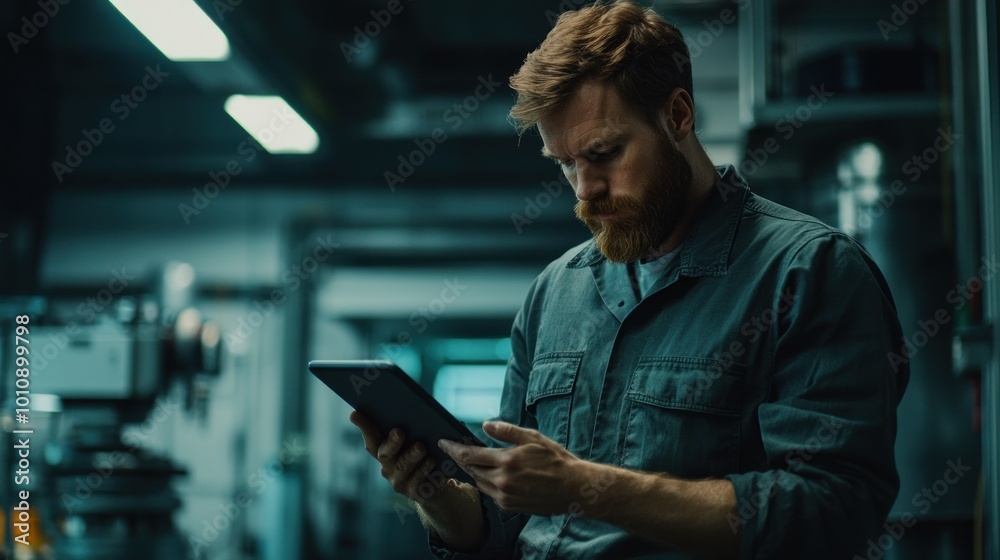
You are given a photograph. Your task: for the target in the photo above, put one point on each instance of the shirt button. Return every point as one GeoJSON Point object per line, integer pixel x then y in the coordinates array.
{"type": "Point", "coordinates": [621, 304]}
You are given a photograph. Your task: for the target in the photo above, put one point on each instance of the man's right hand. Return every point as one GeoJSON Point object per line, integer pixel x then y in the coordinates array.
{"type": "Point", "coordinates": [406, 469]}
{"type": "Point", "coordinates": [452, 511]}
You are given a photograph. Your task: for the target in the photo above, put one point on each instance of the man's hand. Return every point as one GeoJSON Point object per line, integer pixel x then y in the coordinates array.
{"type": "Point", "coordinates": [536, 476]}
{"type": "Point", "coordinates": [452, 511]}
{"type": "Point", "coordinates": [405, 469]}
{"type": "Point", "coordinates": [540, 477]}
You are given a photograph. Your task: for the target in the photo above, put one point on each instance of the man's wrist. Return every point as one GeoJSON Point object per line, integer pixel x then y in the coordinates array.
{"type": "Point", "coordinates": [445, 496]}
{"type": "Point", "coordinates": [454, 517]}
{"type": "Point", "coordinates": [606, 488]}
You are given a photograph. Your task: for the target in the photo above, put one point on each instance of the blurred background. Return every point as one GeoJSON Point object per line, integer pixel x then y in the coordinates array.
{"type": "Point", "coordinates": [199, 197]}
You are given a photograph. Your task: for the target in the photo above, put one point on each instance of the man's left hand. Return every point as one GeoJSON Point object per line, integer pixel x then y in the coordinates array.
{"type": "Point", "coordinates": [536, 475]}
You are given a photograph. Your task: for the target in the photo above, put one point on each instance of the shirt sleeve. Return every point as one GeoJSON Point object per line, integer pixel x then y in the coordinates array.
{"type": "Point", "coordinates": [828, 427]}
{"type": "Point", "coordinates": [502, 527]}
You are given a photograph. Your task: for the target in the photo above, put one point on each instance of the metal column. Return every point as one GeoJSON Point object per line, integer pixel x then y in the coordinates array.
{"type": "Point", "coordinates": [989, 109]}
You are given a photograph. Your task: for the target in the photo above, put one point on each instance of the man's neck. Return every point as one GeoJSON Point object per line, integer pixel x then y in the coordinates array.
{"type": "Point", "coordinates": [704, 176]}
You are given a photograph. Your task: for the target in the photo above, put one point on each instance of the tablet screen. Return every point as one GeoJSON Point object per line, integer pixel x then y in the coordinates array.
{"type": "Point", "coordinates": [390, 398]}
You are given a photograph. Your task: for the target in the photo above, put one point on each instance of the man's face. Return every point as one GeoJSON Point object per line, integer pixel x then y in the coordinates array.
{"type": "Point", "coordinates": [631, 182]}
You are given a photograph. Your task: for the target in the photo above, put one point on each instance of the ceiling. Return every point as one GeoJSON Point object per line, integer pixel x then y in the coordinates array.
{"type": "Point", "coordinates": [371, 82]}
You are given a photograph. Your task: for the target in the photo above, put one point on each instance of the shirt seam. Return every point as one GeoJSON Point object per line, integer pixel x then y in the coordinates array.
{"type": "Point", "coordinates": [752, 206]}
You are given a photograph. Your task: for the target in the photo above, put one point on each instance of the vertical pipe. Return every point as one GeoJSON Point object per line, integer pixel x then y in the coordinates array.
{"type": "Point", "coordinates": [963, 56]}
{"type": "Point", "coordinates": [989, 109]}
{"type": "Point", "coordinates": [753, 60]}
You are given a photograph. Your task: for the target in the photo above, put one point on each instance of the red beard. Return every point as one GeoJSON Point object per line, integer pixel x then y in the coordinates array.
{"type": "Point", "coordinates": [642, 222]}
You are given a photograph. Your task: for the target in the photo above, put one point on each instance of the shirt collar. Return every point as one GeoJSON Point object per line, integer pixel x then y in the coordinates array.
{"type": "Point", "coordinates": [705, 251]}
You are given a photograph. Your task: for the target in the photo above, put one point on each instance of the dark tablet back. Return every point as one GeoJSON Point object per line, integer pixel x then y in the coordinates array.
{"type": "Point", "coordinates": [390, 398]}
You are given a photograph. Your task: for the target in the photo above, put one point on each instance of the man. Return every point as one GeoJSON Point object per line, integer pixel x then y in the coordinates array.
{"type": "Point", "coordinates": [707, 377]}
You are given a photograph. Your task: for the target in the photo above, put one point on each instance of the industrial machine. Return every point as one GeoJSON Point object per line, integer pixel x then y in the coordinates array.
{"type": "Point", "coordinates": [100, 375]}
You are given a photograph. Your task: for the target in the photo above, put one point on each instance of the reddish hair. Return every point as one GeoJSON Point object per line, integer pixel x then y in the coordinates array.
{"type": "Point", "coordinates": [631, 47]}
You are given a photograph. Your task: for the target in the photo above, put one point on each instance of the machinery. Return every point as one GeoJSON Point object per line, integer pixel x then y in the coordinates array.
{"type": "Point", "coordinates": [99, 386]}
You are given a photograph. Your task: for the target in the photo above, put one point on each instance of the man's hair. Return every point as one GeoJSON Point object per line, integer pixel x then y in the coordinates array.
{"type": "Point", "coordinates": [628, 46]}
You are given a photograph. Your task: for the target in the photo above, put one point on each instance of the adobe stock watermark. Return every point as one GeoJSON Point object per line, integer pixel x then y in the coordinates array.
{"type": "Point", "coordinates": [712, 29]}
{"type": "Point", "coordinates": [913, 168]}
{"type": "Point", "coordinates": [922, 502]}
{"type": "Point", "coordinates": [454, 117]}
{"type": "Point", "coordinates": [121, 107]}
{"type": "Point", "coordinates": [752, 329]}
{"type": "Point", "coordinates": [747, 509]}
{"type": "Point", "coordinates": [566, 5]}
{"type": "Point", "coordinates": [135, 435]}
{"type": "Point", "coordinates": [225, 7]}
{"type": "Point", "coordinates": [420, 320]}
{"type": "Point", "coordinates": [930, 327]}
{"type": "Point", "coordinates": [591, 491]}
{"type": "Point", "coordinates": [105, 464]}
{"type": "Point", "coordinates": [31, 26]}
{"type": "Point", "coordinates": [697, 43]}
{"type": "Point", "coordinates": [899, 16]}
{"type": "Point", "coordinates": [786, 126]}
{"type": "Point", "coordinates": [365, 34]}
{"type": "Point", "coordinates": [535, 206]}
{"type": "Point", "coordinates": [87, 310]}
{"type": "Point", "coordinates": [291, 280]}
{"type": "Point", "coordinates": [429, 487]}
{"type": "Point", "coordinates": [219, 180]}
{"type": "Point", "coordinates": [256, 483]}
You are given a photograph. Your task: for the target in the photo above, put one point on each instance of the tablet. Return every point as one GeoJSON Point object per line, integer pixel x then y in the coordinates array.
{"type": "Point", "coordinates": [390, 398]}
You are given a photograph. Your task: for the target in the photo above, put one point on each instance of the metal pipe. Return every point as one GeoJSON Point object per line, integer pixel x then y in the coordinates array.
{"type": "Point", "coordinates": [989, 109]}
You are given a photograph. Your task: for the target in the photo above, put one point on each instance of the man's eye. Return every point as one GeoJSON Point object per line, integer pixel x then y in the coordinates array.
{"type": "Point", "coordinates": [564, 162]}
{"type": "Point", "coordinates": [601, 156]}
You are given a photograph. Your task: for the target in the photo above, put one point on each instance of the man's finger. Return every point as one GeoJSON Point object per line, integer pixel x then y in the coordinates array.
{"type": "Point", "coordinates": [368, 431]}
{"type": "Point", "coordinates": [482, 477]}
{"type": "Point", "coordinates": [409, 459]}
{"type": "Point", "coordinates": [471, 454]}
{"type": "Point", "coordinates": [390, 447]}
{"type": "Point", "coordinates": [509, 433]}
{"type": "Point", "coordinates": [418, 477]}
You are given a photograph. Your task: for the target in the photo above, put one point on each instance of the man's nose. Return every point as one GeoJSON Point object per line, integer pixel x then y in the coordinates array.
{"type": "Point", "coordinates": [589, 183]}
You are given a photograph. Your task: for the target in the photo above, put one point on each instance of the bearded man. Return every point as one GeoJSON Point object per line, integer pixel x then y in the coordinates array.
{"type": "Point", "coordinates": [706, 377]}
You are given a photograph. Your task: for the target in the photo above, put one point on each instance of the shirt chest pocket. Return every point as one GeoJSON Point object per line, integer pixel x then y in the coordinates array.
{"type": "Point", "coordinates": [682, 417]}
{"type": "Point", "coordinates": [550, 393]}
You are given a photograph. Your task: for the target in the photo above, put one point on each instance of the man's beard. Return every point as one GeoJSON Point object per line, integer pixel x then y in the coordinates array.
{"type": "Point", "coordinates": [642, 222]}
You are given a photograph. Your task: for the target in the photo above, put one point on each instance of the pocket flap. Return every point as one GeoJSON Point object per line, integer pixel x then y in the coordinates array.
{"type": "Point", "coordinates": [551, 374]}
{"type": "Point", "coordinates": [698, 384]}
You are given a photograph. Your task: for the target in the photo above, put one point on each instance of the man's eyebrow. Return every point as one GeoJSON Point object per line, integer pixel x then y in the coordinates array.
{"type": "Point", "coordinates": [603, 140]}
{"type": "Point", "coordinates": [591, 146]}
{"type": "Point", "coordinates": [546, 153]}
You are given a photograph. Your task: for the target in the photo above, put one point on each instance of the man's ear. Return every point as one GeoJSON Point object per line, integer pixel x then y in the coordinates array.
{"type": "Point", "coordinates": [678, 114]}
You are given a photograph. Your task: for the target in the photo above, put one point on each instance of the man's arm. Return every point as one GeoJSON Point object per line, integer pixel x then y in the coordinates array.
{"type": "Point", "coordinates": [829, 425]}
{"type": "Point", "coordinates": [456, 518]}
{"type": "Point", "coordinates": [687, 515]}
{"type": "Point", "coordinates": [452, 511]}
{"type": "Point", "coordinates": [827, 430]}
{"type": "Point", "coordinates": [539, 476]}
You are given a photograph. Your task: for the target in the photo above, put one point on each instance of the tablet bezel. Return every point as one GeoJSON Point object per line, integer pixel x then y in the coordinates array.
{"type": "Point", "coordinates": [325, 369]}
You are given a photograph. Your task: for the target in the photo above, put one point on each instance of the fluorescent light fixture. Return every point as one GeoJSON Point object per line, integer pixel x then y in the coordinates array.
{"type": "Point", "coordinates": [179, 28]}
{"type": "Point", "coordinates": [273, 123]}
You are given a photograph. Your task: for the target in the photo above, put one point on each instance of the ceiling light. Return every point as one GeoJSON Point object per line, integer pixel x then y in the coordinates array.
{"type": "Point", "coordinates": [273, 123]}
{"type": "Point", "coordinates": [179, 28]}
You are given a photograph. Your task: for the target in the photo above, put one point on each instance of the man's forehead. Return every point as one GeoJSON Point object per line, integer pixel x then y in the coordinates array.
{"type": "Point", "coordinates": [591, 134]}
{"type": "Point", "coordinates": [595, 113]}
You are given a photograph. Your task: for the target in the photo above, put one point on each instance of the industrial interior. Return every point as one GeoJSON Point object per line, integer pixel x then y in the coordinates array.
{"type": "Point", "coordinates": [202, 196]}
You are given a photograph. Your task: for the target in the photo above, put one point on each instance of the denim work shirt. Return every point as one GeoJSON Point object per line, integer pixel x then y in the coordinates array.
{"type": "Point", "coordinates": [763, 355]}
